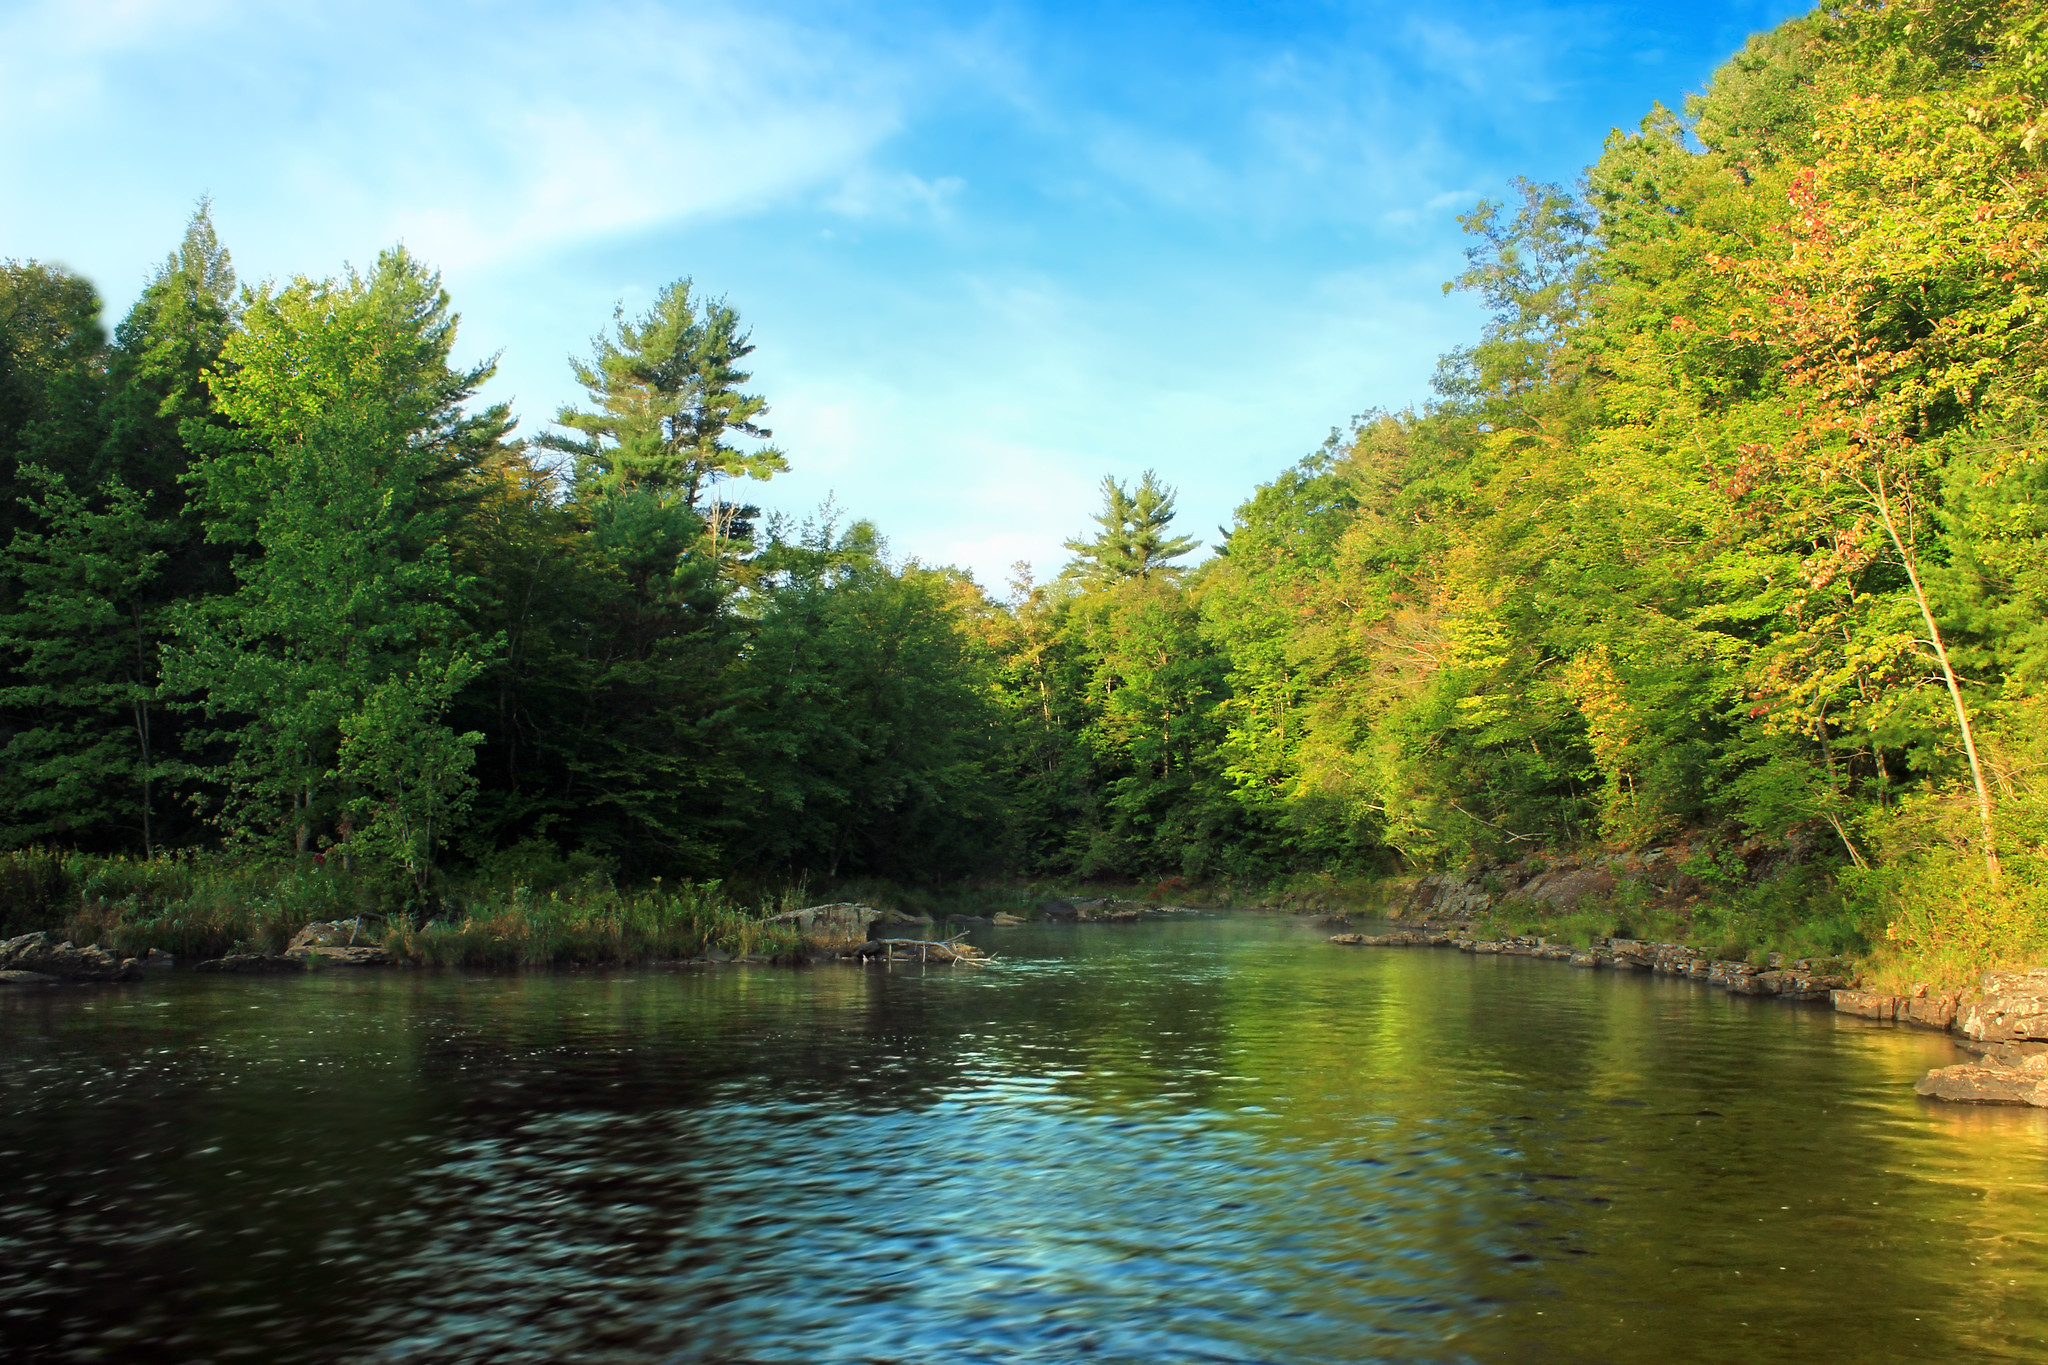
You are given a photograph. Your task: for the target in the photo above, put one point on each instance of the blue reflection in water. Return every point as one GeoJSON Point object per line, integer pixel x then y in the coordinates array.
{"type": "Point", "coordinates": [1222, 1140]}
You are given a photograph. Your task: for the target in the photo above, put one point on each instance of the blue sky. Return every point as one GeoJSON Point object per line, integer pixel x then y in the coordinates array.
{"type": "Point", "coordinates": [988, 252]}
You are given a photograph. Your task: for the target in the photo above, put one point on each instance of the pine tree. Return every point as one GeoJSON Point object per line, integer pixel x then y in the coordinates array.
{"type": "Point", "coordinates": [666, 389]}
{"type": "Point", "coordinates": [1133, 542]}
{"type": "Point", "coordinates": [87, 753]}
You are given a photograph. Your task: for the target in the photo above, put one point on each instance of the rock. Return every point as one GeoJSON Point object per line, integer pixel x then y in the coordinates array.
{"type": "Point", "coordinates": [1865, 1004]}
{"type": "Point", "coordinates": [362, 955]}
{"type": "Point", "coordinates": [10, 976]}
{"type": "Point", "coordinates": [1332, 921]}
{"type": "Point", "coordinates": [1443, 895]}
{"type": "Point", "coordinates": [2008, 1007]}
{"type": "Point", "coordinates": [340, 933]}
{"type": "Point", "coordinates": [1407, 939]}
{"type": "Point", "coordinates": [1930, 1009]}
{"type": "Point", "coordinates": [902, 917]}
{"type": "Point", "coordinates": [20, 946]}
{"type": "Point", "coordinates": [969, 922]}
{"type": "Point", "coordinates": [1991, 1081]}
{"type": "Point", "coordinates": [156, 959]}
{"type": "Point", "coordinates": [1564, 890]}
{"type": "Point", "coordinates": [251, 964]}
{"type": "Point", "coordinates": [2017, 1055]}
{"type": "Point", "coordinates": [1060, 912]}
{"type": "Point", "coordinates": [1004, 921]}
{"type": "Point", "coordinates": [66, 961]}
{"type": "Point", "coordinates": [837, 928]}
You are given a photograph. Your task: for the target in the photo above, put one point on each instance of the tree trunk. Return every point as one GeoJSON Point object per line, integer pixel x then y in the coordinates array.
{"type": "Point", "coordinates": [1955, 690]}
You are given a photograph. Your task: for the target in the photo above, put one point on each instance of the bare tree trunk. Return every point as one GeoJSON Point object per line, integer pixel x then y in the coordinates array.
{"type": "Point", "coordinates": [1955, 690]}
{"type": "Point", "coordinates": [142, 734]}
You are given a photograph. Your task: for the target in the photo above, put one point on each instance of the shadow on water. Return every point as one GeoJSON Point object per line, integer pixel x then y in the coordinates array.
{"type": "Point", "coordinates": [1220, 1140]}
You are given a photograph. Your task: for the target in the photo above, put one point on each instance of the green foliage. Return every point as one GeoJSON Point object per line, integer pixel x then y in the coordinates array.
{"type": "Point", "coordinates": [86, 752]}
{"type": "Point", "coordinates": [340, 483]}
{"type": "Point", "coordinates": [667, 392]}
{"type": "Point", "coordinates": [1730, 528]}
{"type": "Point", "coordinates": [1133, 540]}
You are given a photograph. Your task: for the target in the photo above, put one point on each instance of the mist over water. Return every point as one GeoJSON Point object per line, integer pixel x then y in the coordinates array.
{"type": "Point", "coordinates": [1221, 1140]}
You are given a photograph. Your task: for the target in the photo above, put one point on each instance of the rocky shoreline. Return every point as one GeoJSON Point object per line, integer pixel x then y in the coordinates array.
{"type": "Point", "coordinates": [2004, 1022]}
{"type": "Point", "coordinates": [842, 931]}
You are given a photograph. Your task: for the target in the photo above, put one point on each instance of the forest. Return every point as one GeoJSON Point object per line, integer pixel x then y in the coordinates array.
{"type": "Point", "coordinates": [1730, 532]}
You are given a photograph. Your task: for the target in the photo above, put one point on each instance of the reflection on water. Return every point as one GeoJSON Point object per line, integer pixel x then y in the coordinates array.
{"type": "Point", "coordinates": [1213, 1141]}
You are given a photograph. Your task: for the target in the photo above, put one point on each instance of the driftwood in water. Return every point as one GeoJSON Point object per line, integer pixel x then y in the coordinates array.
{"type": "Point", "coordinates": [955, 949]}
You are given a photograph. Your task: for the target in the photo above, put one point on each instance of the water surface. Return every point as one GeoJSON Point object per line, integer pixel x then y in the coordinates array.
{"type": "Point", "coordinates": [1221, 1140]}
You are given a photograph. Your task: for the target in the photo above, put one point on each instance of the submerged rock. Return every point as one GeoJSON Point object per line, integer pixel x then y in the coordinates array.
{"type": "Point", "coordinates": [251, 964]}
{"type": "Point", "coordinates": [362, 955]}
{"type": "Point", "coordinates": [1062, 912]}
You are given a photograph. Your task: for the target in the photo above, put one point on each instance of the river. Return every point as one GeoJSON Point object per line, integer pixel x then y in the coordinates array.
{"type": "Point", "coordinates": [1210, 1140]}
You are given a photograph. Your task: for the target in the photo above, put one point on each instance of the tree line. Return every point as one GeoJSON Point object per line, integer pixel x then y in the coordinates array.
{"type": "Point", "coordinates": [1733, 522]}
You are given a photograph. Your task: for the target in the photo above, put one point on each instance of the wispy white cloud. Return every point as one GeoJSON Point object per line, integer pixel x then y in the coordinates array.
{"type": "Point", "coordinates": [478, 134]}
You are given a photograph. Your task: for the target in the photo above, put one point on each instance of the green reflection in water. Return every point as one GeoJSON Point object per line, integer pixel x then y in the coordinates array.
{"type": "Point", "coordinates": [1213, 1140]}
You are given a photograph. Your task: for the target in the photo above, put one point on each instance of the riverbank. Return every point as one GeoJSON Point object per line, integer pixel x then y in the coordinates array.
{"type": "Point", "coordinates": [2003, 1021]}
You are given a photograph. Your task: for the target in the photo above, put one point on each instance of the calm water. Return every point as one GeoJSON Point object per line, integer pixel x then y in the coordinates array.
{"type": "Point", "coordinates": [1213, 1141]}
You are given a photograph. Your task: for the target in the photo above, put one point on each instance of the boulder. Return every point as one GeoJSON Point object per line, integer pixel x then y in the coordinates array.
{"type": "Point", "coordinates": [969, 922]}
{"type": "Point", "coordinates": [2001, 1078]}
{"type": "Point", "coordinates": [1564, 890]}
{"type": "Point", "coordinates": [156, 959]}
{"type": "Point", "coordinates": [66, 961]}
{"type": "Point", "coordinates": [2010, 1006]}
{"type": "Point", "coordinates": [1866, 1004]}
{"type": "Point", "coordinates": [1930, 1009]}
{"type": "Point", "coordinates": [1451, 895]}
{"type": "Point", "coordinates": [20, 946]}
{"type": "Point", "coordinates": [1004, 921]}
{"type": "Point", "coordinates": [1062, 912]}
{"type": "Point", "coordinates": [11, 977]}
{"type": "Point", "coordinates": [836, 928]}
{"type": "Point", "coordinates": [340, 933]}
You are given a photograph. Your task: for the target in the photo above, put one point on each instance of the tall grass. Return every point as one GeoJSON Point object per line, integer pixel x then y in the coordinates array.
{"type": "Point", "coordinates": [201, 906]}
{"type": "Point", "coordinates": [591, 923]}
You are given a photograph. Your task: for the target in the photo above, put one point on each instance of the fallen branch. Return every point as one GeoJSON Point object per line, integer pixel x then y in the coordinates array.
{"type": "Point", "coordinates": [954, 949]}
{"type": "Point", "coordinates": [1489, 824]}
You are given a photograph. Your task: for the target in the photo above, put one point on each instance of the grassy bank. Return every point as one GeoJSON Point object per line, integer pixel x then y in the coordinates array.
{"type": "Point", "coordinates": [198, 907]}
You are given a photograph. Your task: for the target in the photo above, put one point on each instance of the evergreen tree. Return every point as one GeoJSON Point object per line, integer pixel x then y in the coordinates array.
{"type": "Point", "coordinates": [1133, 541]}
{"type": "Point", "coordinates": [52, 377]}
{"type": "Point", "coordinates": [666, 391]}
{"type": "Point", "coordinates": [156, 371]}
{"type": "Point", "coordinates": [87, 753]}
